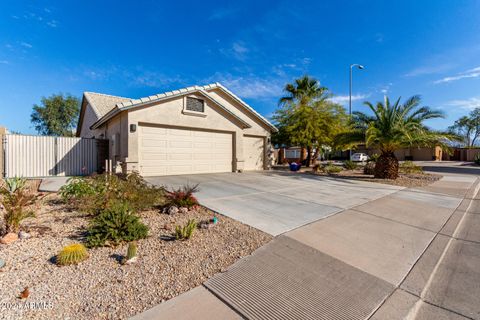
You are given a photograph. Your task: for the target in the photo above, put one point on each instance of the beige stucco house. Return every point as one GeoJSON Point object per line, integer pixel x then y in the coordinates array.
{"type": "Point", "coordinates": [199, 129]}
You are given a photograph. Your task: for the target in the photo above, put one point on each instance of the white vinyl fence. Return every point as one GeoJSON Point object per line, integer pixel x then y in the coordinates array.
{"type": "Point", "coordinates": [41, 156]}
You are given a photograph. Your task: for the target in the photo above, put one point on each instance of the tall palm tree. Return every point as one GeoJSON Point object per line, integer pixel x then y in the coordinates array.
{"type": "Point", "coordinates": [302, 91]}
{"type": "Point", "coordinates": [394, 126]}
{"type": "Point", "coordinates": [303, 94]}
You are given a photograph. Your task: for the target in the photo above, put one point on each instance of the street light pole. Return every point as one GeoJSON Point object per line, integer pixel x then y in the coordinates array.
{"type": "Point", "coordinates": [359, 66]}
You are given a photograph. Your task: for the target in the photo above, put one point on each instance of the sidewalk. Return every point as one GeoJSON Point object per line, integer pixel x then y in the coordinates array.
{"type": "Point", "coordinates": [414, 254]}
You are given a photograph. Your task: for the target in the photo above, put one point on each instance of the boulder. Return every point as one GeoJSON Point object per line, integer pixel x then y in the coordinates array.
{"type": "Point", "coordinates": [24, 235]}
{"type": "Point", "coordinates": [184, 210]}
{"type": "Point", "coordinates": [9, 238]}
{"type": "Point", "coordinates": [172, 210]}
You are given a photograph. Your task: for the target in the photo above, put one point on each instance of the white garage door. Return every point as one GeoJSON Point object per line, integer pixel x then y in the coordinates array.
{"type": "Point", "coordinates": [167, 151]}
{"type": "Point", "coordinates": [253, 150]}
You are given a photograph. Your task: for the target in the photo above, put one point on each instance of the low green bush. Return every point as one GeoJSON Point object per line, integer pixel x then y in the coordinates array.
{"type": "Point", "coordinates": [409, 167]}
{"type": "Point", "coordinates": [76, 189]}
{"type": "Point", "coordinates": [183, 196]}
{"type": "Point", "coordinates": [100, 192]}
{"type": "Point", "coordinates": [350, 165]}
{"type": "Point", "coordinates": [115, 225]}
{"type": "Point", "coordinates": [186, 231]}
{"type": "Point", "coordinates": [373, 158]}
{"type": "Point", "coordinates": [331, 169]}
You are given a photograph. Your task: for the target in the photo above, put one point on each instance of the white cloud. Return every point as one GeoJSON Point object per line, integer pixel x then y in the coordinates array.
{"type": "Point", "coordinates": [427, 70]}
{"type": "Point", "coordinates": [472, 73]}
{"type": "Point", "coordinates": [345, 99]}
{"type": "Point", "coordinates": [4, 62]}
{"type": "Point", "coordinates": [250, 86]}
{"type": "Point", "coordinates": [466, 104]}
{"type": "Point", "coordinates": [26, 45]}
{"type": "Point", "coordinates": [222, 13]}
{"type": "Point", "coordinates": [238, 50]}
{"type": "Point", "coordinates": [52, 23]}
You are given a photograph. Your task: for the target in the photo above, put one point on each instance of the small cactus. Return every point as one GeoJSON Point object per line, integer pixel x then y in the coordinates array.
{"type": "Point", "coordinates": [132, 250]}
{"type": "Point", "coordinates": [185, 232]}
{"type": "Point", "coordinates": [72, 254]}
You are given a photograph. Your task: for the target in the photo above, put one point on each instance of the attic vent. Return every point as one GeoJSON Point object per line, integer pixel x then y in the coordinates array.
{"type": "Point", "coordinates": [194, 104]}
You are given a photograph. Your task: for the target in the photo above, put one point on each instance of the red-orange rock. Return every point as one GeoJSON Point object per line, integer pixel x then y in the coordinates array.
{"type": "Point", "coordinates": [9, 238]}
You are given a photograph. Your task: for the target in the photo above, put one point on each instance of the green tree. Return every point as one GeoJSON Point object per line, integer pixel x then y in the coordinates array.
{"type": "Point", "coordinates": [468, 127]}
{"type": "Point", "coordinates": [306, 117]}
{"type": "Point", "coordinates": [394, 126]}
{"type": "Point", "coordinates": [56, 115]}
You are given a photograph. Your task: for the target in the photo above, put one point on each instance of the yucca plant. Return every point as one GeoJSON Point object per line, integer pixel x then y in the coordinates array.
{"type": "Point", "coordinates": [72, 254]}
{"type": "Point", "coordinates": [186, 231]}
{"type": "Point", "coordinates": [391, 127]}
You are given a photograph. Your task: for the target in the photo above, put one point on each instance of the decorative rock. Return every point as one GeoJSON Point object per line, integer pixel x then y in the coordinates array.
{"type": "Point", "coordinates": [24, 235]}
{"type": "Point", "coordinates": [9, 238]}
{"type": "Point", "coordinates": [131, 261]}
{"type": "Point", "coordinates": [204, 224]}
{"type": "Point", "coordinates": [172, 210]}
{"type": "Point", "coordinates": [184, 210]}
{"type": "Point", "coordinates": [2, 263]}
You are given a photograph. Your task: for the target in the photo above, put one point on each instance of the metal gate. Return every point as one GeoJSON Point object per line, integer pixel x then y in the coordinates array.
{"type": "Point", "coordinates": [44, 156]}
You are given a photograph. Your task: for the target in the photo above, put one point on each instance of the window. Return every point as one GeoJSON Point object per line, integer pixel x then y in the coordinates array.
{"type": "Point", "coordinates": [194, 104]}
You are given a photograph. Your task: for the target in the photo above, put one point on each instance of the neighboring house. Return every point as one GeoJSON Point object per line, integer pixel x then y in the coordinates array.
{"type": "Point", "coordinates": [414, 153]}
{"type": "Point", "coordinates": [200, 129]}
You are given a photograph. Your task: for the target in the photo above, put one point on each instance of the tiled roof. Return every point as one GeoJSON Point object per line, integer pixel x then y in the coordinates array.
{"type": "Point", "coordinates": [125, 103]}
{"type": "Point", "coordinates": [103, 103]}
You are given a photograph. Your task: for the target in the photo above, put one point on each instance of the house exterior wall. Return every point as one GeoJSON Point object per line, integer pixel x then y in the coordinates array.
{"type": "Point", "coordinates": [89, 117]}
{"type": "Point", "coordinates": [171, 113]}
{"type": "Point", "coordinates": [116, 131]}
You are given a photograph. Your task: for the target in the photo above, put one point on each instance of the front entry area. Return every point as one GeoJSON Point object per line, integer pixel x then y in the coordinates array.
{"type": "Point", "coordinates": [173, 151]}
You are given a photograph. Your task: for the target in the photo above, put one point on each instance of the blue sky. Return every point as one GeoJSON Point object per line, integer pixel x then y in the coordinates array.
{"type": "Point", "coordinates": [140, 48]}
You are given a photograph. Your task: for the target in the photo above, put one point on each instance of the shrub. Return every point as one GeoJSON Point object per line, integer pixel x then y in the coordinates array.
{"type": "Point", "coordinates": [350, 165]}
{"type": "Point", "coordinates": [72, 254]}
{"type": "Point", "coordinates": [185, 232]}
{"type": "Point", "coordinates": [16, 198]}
{"type": "Point", "coordinates": [373, 158]}
{"type": "Point", "coordinates": [409, 167]}
{"type": "Point", "coordinates": [369, 168]}
{"type": "Point", "coordinates": [331, 169]}
{"type": "Point", "coordinates": [115, 225]}
{"type": "Point", "coordinates": [76, 189]}
{"type": "Point", "coordinates": [98, 193]}
{"type": "Point", "coordinates": [183, 196]}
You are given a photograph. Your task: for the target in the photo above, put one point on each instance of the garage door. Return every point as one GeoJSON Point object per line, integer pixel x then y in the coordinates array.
{"type": "Point", "coordinates": [167, 151]}
{"type": "Point", "coordinates": [254, 151]}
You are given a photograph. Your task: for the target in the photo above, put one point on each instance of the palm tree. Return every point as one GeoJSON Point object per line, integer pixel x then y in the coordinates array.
{"type": "Point", "coordinates": [302, 95]}
{"type": "Point", "coordinates": [302, 91]}
{"type": "Point", "coordinates": [394, 126]}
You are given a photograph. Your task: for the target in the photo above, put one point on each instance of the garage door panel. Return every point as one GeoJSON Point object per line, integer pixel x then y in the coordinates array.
{"type": "Point", "coordinates": [168, 151]}
{"type": "Point", "coordinates": [253, 148]}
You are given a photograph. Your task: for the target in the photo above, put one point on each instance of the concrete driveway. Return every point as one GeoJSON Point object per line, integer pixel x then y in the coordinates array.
{"type": "Point", "coordinates": [277, 202]}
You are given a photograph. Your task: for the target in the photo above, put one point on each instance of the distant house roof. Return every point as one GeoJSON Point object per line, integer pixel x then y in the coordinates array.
{"type": "Point", "coordinates": [107, 106]}
{"type": "Point", "coordinates": [103, 103]}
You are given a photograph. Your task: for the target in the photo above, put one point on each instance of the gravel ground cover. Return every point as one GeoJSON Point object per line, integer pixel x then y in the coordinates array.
{"type": "Point", "coordinates": [102, 288]}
